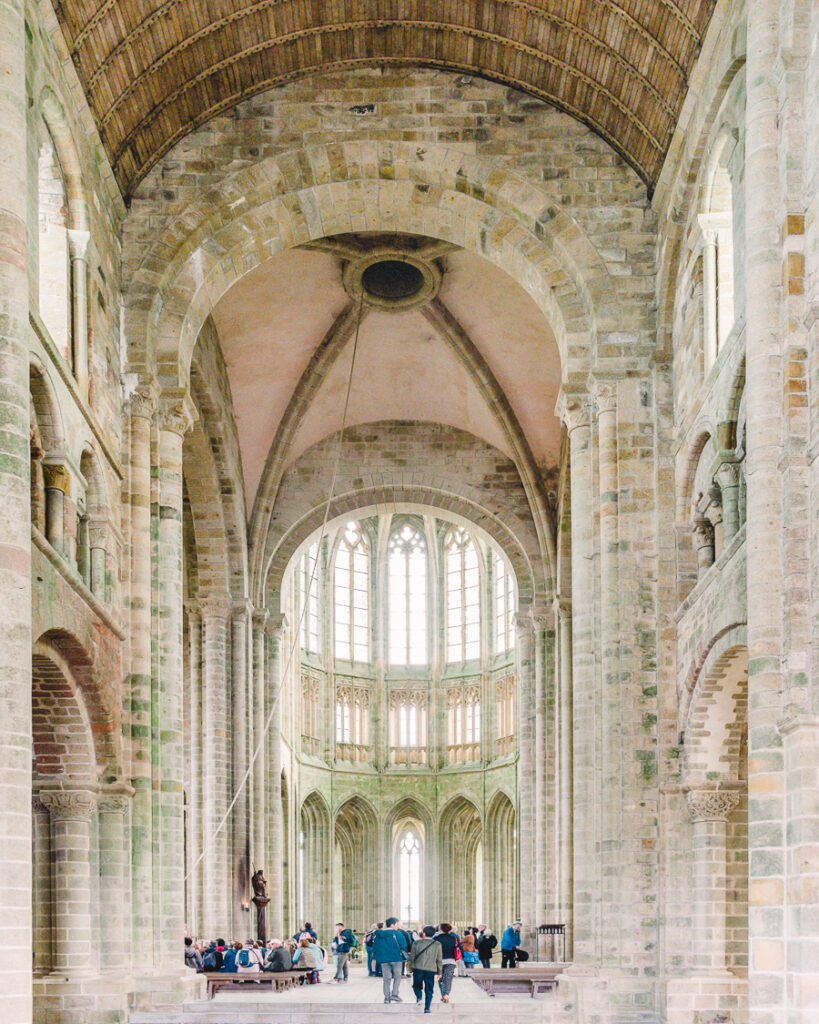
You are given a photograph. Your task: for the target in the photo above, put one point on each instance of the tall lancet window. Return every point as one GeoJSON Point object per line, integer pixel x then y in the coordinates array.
{"type": "Point", "coordinates": [352, 615]}
{"type": "Point", "coordinates": [409, 875]}
{"type": "Point", "coordinates": [504, 607]}
{"type": "Point", "coordinates": [463, 607]}
{"type": "Point", "coordinates": [308, 599]}
{"type": "Point", "coordinates": [407, 571]}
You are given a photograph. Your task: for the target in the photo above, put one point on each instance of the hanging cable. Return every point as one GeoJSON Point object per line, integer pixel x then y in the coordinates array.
{"type": "Point", "coordinates": [297, 631]}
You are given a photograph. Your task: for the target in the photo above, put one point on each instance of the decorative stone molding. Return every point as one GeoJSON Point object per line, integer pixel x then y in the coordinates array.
{"type": "Point", "coordinates": [242, 607]}
{"type": "Point", "coordinates": [260, 617]}
{"type": "Point", "coordinates": [524, 626]}
{"type": "Point", "coordinates": [177, 413]}
{"type": "Point", "coordinates": [78, 243]}
{"type": "Point", "coordinates": [70, 804]}
{"type": "Point", "coordinates": [711, 804]}
{"type": "Point", "coordinates": [114, 803]}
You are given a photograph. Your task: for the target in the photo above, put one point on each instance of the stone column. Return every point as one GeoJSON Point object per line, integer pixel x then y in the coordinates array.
{"type": "Point", "coordinates": [764, 389]}
{"type": "Point", "coordinates": [709, 292]}
{"type": "Point", "coordinates": [141, 407]}
{"type": "Point", "coordinates": [195, 893]}
{"type": "Point", "coordinates": [709, 810]}
{"type": "Point", "coordinates": [241, 747]}
{"type": "Point", "coordinates": [564, 769]}
{"type": "Point", "coordinates": [78, 254]}
{"type": "Point", "coordinates": [703, 532]}
{"type": "Point", "coordinates": [57, 487]}
{"type": "Point", "coordinates": [176, 418]}
{"type": "Point", "coordinates": [611, 724]}
{"type": "Point", "coordinates": [216, 905]}
{"type": "Point", "coordinates": [527, 828]}
{"type": "Point", "coordinates": [41, 883]}
{"type": "Point", "coordinates": [15, 538]}
{"type": "Point", "coordinates": [115, 889]}
{"type": "Point", "coordinates": [262, 770]}
{"type": "Point", "coordinates": [98, 576]}
{"type": "Point", "coordinates": [71, 812]}
{"type": "Point", "coordinates": [545, 770]}
{"type": "Point", "coordinates": [275, 629]}
{"type": "Point", "coordinates": [727, 476]}
{"type": "Point", "coordinates": [587, 879]}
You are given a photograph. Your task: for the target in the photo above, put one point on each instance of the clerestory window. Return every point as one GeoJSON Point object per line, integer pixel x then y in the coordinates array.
{"type": "Point", "coordinates": [309, 600]}
{"type": "Point", "coordinates": [407, 571]}
{"type": "Point", "coordinates": [463, 608]}
{"type": "Point", "coordinates": [504, 607]}
{"type": "Point", "coordinates": [352, 597]}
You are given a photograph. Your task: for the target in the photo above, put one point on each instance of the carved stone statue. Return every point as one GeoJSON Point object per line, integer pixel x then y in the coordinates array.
{"type": "Point", "coordinates": [260, 900]}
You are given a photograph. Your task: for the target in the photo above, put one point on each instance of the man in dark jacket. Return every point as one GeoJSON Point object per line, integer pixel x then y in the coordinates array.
{"type": "Point", "coordinates": [390, 950]}
{"type": "Point", "coordinates": [279, 957]}
{"type": "Point", "coordinates": [425, 963]}
{"type": "Point", "coordinates": [486, 943]}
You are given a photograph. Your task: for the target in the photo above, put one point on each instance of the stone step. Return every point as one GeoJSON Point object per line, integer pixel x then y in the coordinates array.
{"type": "Point", "coordinates": [220, 1011]}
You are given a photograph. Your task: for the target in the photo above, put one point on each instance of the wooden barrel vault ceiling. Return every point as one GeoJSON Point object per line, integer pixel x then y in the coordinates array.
{"type": "Point", "coordinates": [154, 70]}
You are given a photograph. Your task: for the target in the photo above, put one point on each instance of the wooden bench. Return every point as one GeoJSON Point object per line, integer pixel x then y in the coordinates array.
{"type": "Point", "coordinates": [534, 979]}
{"type": "Point", "coordinates": [276, 981]}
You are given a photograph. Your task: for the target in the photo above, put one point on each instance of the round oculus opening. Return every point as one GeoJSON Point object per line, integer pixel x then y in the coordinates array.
{"type": "Point", "coordinates": [392, 280]}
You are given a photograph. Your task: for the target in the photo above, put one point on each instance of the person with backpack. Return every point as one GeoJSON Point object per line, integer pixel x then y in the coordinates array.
{"type": "Point", "coordinates": [229, 958]}
{"type": "Point", "coordinates": [390, 950]}
{"type": "Point", "coordinates": [213, 959]}
{"type": "Point", "coordinates": [343, 944]}
{"type": "Point", "coordinates": [248, 960]}
{"type": "Point", "coordinates": [372, 967]}
{"type": "Point", "coordinates": [426, 963]}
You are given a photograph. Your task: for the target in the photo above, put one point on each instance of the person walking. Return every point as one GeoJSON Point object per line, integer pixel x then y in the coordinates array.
{"type": "Point", "coordinates": [486, 944]}
{"type": "Point", "coordinates": [426, 963]}
{"type": "Point", "coordinates": [389, 953]}
{"type": "Point", "coordinates": [510, 944]}
{"type": "Point", "coordinates": [451, 953]}
{"type": "Point", "coordinates": [342, 945]}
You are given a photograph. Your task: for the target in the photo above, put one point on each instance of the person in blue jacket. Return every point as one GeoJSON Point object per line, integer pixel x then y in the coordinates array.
{"type": "Point", "coordinates": [510, 944]}
{"type": "Point", "coordinates": [390, 950]}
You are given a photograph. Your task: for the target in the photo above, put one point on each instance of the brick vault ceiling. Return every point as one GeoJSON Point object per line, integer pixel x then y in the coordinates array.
{"type": "Point", "coordinates": [154, 70]}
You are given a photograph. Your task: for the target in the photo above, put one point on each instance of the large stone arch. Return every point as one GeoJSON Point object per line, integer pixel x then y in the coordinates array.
{"type": "Point", "coordinates": [303, 195]}
{"type": "Point", "coordinates": [63, 737]}
{"type": "Point", "coordinates": [500, 861]}
{"type": "Point", "coordinates": [356, 834]}
{"type": "Point", "coordinates": [505, 516]}
{"type": "Point", "coordinates": [461, 831]}
{"type": "Point", "coordinates": [317, 861]}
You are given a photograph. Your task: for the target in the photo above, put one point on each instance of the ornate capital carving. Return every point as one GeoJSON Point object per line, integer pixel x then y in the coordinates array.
{"type": "Point", "coordinates": [215, 606]}
{"type": "Point", "coordinates": [703, 531]}
{"type": "Point", "coordinates": [573, 411]}
{"type": "Point", "coordinates": [116, 799]}
{"type": "Point", "coordinates": [177, 413]}
{"type": "Point", "coordinates": [242, 607]}
{"type": "Point", "coordinates": [524, 626]}
{"type": "Point", "coordinates": [143, 399]}
{"type": "Point", "coordinates": [69, 804]}
{"type": "Point", "coordinates": [260, 617]}
{"type": "Point", "coordinates": [605, 395]}
{"type": "Point", "coordinates": [711, 804]}
{"type": "Point", "coordinates": [57, 477]}
{"type": "Point", "coordinates": [78, 244]}
{"type": "Point", "coordinates": [728, 473]}
{"type": "Point", "coordinates": [276, 625]}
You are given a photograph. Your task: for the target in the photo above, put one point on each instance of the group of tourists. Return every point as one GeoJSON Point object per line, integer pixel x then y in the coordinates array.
{"type": "Point", "coordinates": [300, 953]}
{"type": "Point", "coordinates": [393, 952]}
{"type": "Point", "coordinates": [434, 953]}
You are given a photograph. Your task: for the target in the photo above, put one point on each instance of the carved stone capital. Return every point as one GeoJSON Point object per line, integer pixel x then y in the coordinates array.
{"type": "Point", "coordinates": [573, 411]}
{"type": "Point", "coordinates": [78, 244]}
{"type": "Point", "coordinates": [116, 799]}
{"type": "Point", "coordinates": [143, 399]}
{"type": "Point", "coordinates": [260, 617]}
{"type": "Point", "coordinates": [605, 395]}
{"type": "Point", "coordinates": [177, 413]}
{"type": "Point", "coordinates": [276, 625]}
{"type": "Point", "coordinates": [215, 606]}
{"type": "Point", "coordinates": [703, 531]}
{"type": "Point", "coordinates": [70, 804]}
{"type": "Point", "coordinates": [57, 477]}
{"type": "Point", "coordinates": [711, 804]}
{"type": "Point", "coordinates": [242, 607]}
{"type": "Point", "coordinates": [727, 473]}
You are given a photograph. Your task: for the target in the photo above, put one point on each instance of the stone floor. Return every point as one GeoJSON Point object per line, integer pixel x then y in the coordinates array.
{"type": "Point", "coordinates": [359, 1001]}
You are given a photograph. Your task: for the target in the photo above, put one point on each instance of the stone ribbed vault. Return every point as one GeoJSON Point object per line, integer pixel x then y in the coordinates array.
{"type": "Point", "coordinates": [155, 69]}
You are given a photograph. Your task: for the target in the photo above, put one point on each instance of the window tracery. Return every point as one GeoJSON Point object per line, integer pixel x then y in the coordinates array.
{"type": "Point", "coordinates": [352, 597]}
{"type": "Point", "coordinates": [408, 726]}
{"type": "Point", "coordinates": [505, 714]}
{"type": "Point", "coordinates": [407, 573]}
{"type": "Point", "coordinates": [352, 708]}
{"type": "Point", "coordinates": [463, 610]}
{"type": "Point", "coordinates": [308, 587]}
{"type": "Point", "coordinates": [464, 723]}
{"type": "Point", "coordinates": [504, 607]}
